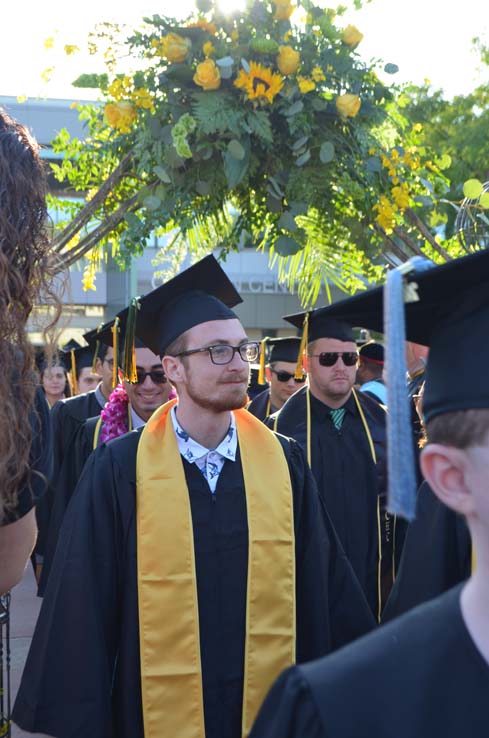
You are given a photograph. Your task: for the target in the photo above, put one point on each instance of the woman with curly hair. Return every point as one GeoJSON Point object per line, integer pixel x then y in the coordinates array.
{"type": "Point", "coordinates": [25, 275]}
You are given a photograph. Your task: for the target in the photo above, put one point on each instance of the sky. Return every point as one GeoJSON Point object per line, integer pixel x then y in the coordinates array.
{"type": "Point", "coordinates": [427, 39]}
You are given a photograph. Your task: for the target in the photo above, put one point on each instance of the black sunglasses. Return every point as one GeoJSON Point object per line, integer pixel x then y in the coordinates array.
{"type": "Point", "coordinates": [329, 358]}
{"type": "Point", "coordinates": [286, 376]}
{"type": "Point", "coordinates": [157, 376]}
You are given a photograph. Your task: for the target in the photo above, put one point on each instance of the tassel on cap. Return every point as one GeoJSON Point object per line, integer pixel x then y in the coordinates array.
{"type": "Point", "coordinates": [73, 372]}
{"type": "Point", "coordinates": [400, 453]}
{"type": "Point", "coordinates": [129, 359]}
{"type": "Point", "coordinates": [115, 346]}
{"type": "Point", "coordinates": [96, 352]}
{"type": "Point", "coordinates": [261, 370]}
{"type": "Point", "coordinates": [299, 370]}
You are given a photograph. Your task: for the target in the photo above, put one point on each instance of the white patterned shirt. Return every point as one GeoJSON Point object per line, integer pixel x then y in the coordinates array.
{"type": "Point", "coordinates": [209, 461]}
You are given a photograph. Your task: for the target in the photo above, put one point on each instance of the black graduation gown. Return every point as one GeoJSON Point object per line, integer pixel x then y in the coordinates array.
{"type": "Point", "coordinates": [436, 556]}
{"type": "Point", "coordinates": [348, 481]}
{"type": "Point", "coordinates": [421, 676]}
{"type": "Point", "coordinates": [261, 406]}
{"type": "Point", "coordinates": [82, 675]}
{"type": "Point", "coordinates": [67, 419]}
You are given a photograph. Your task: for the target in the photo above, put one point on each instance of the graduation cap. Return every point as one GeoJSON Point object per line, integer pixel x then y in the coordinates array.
{"type": "Point", "coordinates": [76, 357]}
{"type": "Point", "coordinates": [277, 349]}
{"type": "Point", "coordinates": [446, 308]}
{"type": "Point", "coordinates": [201, 293]}
{"type": "Point", "coordinates": [373, 352]}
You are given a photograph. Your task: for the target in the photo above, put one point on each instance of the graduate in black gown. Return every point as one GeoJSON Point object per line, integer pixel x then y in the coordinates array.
{"type": "Point", "coordinates": [426, 673]}
{"type": "Point", "coordinates": [183, 630]}
{"type": "Point", "coordinates": [67, 419]}
{"type": "Point", "coordinates": [347, 458]}
{"type": "Point", "coordinates": [279, 370]}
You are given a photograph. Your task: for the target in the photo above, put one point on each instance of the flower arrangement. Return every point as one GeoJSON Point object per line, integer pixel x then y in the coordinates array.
{"type": "Point", "coordinates": [260, 128]}
{"type": "Point", "coordinates": [115, 415]}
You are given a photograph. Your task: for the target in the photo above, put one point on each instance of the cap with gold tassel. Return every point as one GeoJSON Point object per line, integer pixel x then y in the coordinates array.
{"type": "Point", "coordinates": [115, 345]}
{"type": "Point", "coordinates": [129, 358]}
{"type": "Point", "coordinates": [299, 370]}
{"type": "Point", "coordinates": [73, 372]}
{"type": "Point", "coordinates": [263, 358]}
{"type": "Point", "coordinates": [96, 350]}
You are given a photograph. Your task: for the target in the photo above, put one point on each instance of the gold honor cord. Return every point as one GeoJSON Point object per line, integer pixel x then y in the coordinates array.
{"type": "Point", "coordinates": [171, 673]}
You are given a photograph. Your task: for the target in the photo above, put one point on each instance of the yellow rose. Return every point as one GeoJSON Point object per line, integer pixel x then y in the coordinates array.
{"type": "Point", "coordinates": [283, 9]}
{"type": "Point", "coordinates": [120, 115]}
{"type": "Point", "coordinates": [348, 105]}
{"type": "Point", "coordinates": [207, 75]}
{"type": "Point", "coordinates": [352, 36]}
{"type": "Point", "coordinates": [175, 48]}
{"type": "Point", "coordinates": [305, 84]}
{"type": "Point", "coordinates": [288, 60]}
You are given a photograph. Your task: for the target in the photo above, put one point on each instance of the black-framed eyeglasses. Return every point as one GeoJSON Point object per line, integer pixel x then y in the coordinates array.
{"type": "Point", "coordinates": [223, 354]}
{"type": "Point", "coordinates": [329, 358]}
{"type": "Point", "coordinates": [157, 376]}
{"type": "Point", "coordinates": [283, 376]}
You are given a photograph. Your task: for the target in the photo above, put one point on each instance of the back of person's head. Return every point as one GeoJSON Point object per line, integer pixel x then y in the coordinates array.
{"type": "Point", "coordinates": [25, 273]}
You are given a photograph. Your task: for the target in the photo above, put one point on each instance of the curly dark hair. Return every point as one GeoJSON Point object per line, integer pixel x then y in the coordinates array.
{"type": "Point", "coordinates": [26, 274]}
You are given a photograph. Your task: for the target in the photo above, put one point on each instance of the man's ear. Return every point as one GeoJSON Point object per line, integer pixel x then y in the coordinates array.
{"type": "Point", "coordinates": [445, 468]}
{"type": "Point", "coordinates": [173, 368]}
{"type": "Point", "coordinates": [268, 374]}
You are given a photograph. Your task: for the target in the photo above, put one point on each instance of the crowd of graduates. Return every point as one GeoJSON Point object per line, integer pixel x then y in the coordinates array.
{"type": "Point", "coordinates": [310, 559]}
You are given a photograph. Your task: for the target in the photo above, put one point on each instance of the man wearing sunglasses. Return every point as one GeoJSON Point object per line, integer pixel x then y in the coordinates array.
{"type": "Point", "coordinates": [343, 435]}
{"type": "Point", "coordinates": [280, 374]}
{"type": "Point", "coordinates": [193, 554]}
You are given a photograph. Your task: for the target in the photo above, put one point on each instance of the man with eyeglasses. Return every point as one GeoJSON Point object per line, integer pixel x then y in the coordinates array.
{"type": "Point", "coordinates": [280, 374]}
{"type": "Point", "coordinates": [343, 435]}
{"type": "Point", "coordinates": [193, 563]}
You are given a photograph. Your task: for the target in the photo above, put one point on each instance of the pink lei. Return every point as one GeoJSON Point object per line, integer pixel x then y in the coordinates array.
{"type": "Point", "coordinates": [115, 415]}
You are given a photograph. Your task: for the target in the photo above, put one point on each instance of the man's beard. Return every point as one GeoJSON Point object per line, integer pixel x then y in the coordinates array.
{"type": "Point", "coordinates": [219, 403]}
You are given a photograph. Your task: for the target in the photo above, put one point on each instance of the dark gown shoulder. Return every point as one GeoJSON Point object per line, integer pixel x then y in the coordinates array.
{"type": "Point", "coordinates": [259, 406]}
{"type": "Point", "coordinates": [399, 681]}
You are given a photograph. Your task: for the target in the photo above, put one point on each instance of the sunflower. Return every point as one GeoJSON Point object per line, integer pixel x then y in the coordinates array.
{"type": "Point", "coordinates": [260, 83]}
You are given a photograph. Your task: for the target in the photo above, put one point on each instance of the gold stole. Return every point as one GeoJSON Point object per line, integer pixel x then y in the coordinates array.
{"type": "Point", "coordinates": [171, 673]}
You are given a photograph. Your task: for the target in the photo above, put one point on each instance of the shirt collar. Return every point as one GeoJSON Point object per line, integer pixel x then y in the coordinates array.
{"type": "Point", "coordinates": [322, 410]}
{"type": "Point", "coordinates": [99, 395]}
{"type": "Point", "coordinates": [192, 451]}
{"type": "Point", "coordinates": [137, 422]}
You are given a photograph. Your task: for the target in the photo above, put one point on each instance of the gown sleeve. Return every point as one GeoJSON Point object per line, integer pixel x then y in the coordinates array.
{"type": "Point", "coordinates": [65, 689]}
{"type": "Point", "coordinates": [289, 710]}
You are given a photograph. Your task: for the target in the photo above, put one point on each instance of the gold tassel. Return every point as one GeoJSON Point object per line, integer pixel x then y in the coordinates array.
{"type": "Point", "coordinates": [115, 346]}
{"type": "Point", "coordinates": [73, 372]}
{"type": "Point", "coordinates": [299, 370]}
{"type": "Point", "coordinates": [96, 352]}
{"type": "Point", "coordinates": [129, 360]}
{"type": "Point", "coordinates": [263, 351]}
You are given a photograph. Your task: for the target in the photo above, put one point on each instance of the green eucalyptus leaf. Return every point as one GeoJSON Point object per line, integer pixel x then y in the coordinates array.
{"type": "Point", "coordinates": [373, 164]}
{"type": "Point", "coordinates": [225, 61]}
{"type": "Point", "coordinates": [274, 204]}
{"type": "Point", "coordinates": [276, 187]}
{"type": "Point", "coordinates": [295, 108]}
{"type": "Point", "coordinates": [301, 160]}
{"type": "Point", "coordinates": [235, 169]}
{"type": "Point", "coordinates": [473, 189]}
{"type": "Point", "coordinates": [226, 72]}
{"type": "Point", "coordinates": [132, 220]}
{"type": "Point", "coordinates": [484, 200]}
{"type": "Point", "coordinates": [286, 246]}
{"type": "Point", "coordinates": [152, 202]}
{"type": "Point", "coordinates": [391, 69]}
{"type": "Point", "coordinates": [236, 149]}
{"type": "Point", "coordinates": [319, 104]}
{"type": "Point", "coordinates": [203, 188]}
{"type": "Point", "coordinates": [180, 73]}
{"type": "Point", "coordinates": [298, 208]}
{"type": "Point", "coordinates": [245, 66]}
{"type": "Point", "coordinates": [423, 200]}
{"type": "Point", "coordinates": [162, 174]}
{"type": "Point", "coordinates": [300, 143]}
{"type": "Point", "coordinates": [427, 184]}
{"type": "Point", "coordinates": [327, 152]}
{"type": "Point", "coordinates": [287, 222]}
{"type": "Point", "coordinates": [444, 161]}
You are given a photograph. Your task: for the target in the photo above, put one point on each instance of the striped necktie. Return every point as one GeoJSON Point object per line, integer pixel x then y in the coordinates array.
{"type": "Point", "coordinates": [337, 417]}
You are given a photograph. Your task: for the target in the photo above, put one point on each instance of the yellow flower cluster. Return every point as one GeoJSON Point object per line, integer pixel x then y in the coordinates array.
{"type": "Point", "coordinates": [205, 25]}
{"type": "Point", "coordinates": [260, 83]}
{"type": "Point", "coordinates": [351, 36]}
{"type": "Point", "coordinates": [120, 88]}
{"type": "Point", "coordinates": [305, 84]}
{"type": "Point", "coordinates": [288, 60]}
{"type": "Point", "coordinates": [121, 115]}
{"type": "Point", "coordinates": [142, 99]}
{"type": "Point", "coordinates": [400, 195]}
{"type": "Point", "coordinates": [89, 276]}
{"type": "Point", "coordinates": [208, 48]}
{"type": "Point", "coordinates": [283, 9]}
{"type": "Point", "coordinates": [318, 75]}
{"type": "Point", "coordinates": [386, 214]}
{"type": "Point", "coordinates": [207, 75]}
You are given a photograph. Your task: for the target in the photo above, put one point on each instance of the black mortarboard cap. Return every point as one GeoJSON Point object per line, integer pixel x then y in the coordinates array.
{"type": "Point", "coordinates": [372, 351]}
{"type": "Point", "coordinates": [201, 293]}
{"type": "Point", "coordinates": [284, 349]}
{"type": "Point", "coordinates": [321, 325]}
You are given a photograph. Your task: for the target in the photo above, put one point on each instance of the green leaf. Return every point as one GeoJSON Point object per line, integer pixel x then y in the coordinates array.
{"type": "Point", "coordinates": [276, 187]}
{"type": "Point", "coordinates": [235, 169]}
{"type": "Point", "coordinates": [427, 184]}
{"type": "Point", "coordinates": [245, 66]}
{"type": "Point", "coordinates": [274, 204]}
{"type": "Point", "coordinates": [236, 149]}
{"type": "Point", "coordinates": [326, 152]}
{"type": "Point", "coordinates": [295, 108]}
{"type": "Point", "coordinates": [319, 104]}
{"type": "Point", "coordinates": [91, 81]}
{"type": "Point", "coordinates": [162, 174]}
{"type": "Point", "coordinates": [484, 200]}
{"type": "Point", "coordinates": [301, 160]}
{"type": "Point", "coordinates": [286, 246]}
{"type": "Point", "coordinates": [203, 188]}
{"type": "Point", "coordinates": [225, 61]}
{"type": "Point", "coordinates": [473, 189]}
{"type": "Point", "coordinates": [424, 200]}
{"type": "Point", "coordinates": [298, 208]}
{"type": "Point", "coordinates": [180, 73]}
{"type": "Point", "coordinates": [152, 202]}
{"type": "Point", "coordinates": [300, 143]}
{"type": "Point", "coordinates": [444, 161]}
{"type": "Point", "coordinates": [391, 69]}
{"type": "Point", "coordinates": [373, 164]}
{"type": "Point", "coordinates": [287, 222]}
{"type": "Point", "coordinates": [259, 123]}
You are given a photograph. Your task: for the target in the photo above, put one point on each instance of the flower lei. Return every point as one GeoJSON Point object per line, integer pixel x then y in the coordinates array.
{"type": "Point", "coordinates": [114, 415]}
